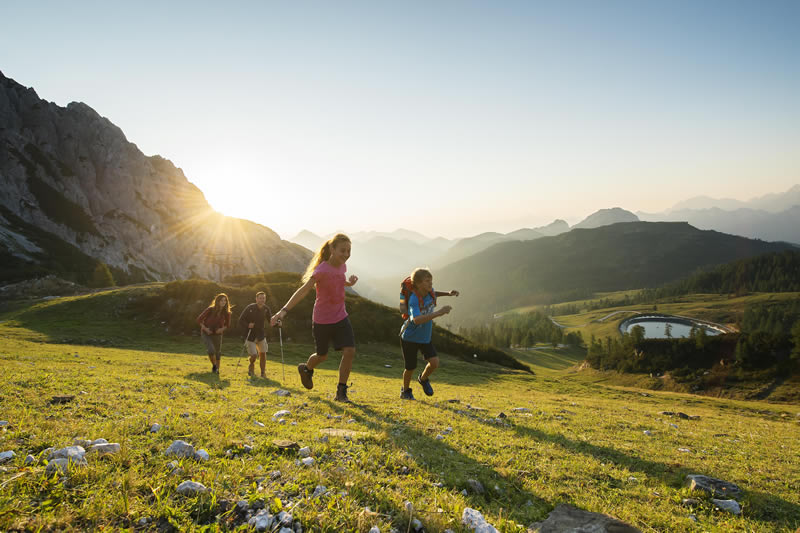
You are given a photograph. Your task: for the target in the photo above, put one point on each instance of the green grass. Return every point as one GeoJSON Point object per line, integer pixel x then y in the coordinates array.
{"type": "Point", "coordinates": [581, 443]}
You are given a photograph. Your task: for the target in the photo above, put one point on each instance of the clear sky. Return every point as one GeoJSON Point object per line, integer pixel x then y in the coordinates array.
{"type": "Point", "coordinates": [446, 117]}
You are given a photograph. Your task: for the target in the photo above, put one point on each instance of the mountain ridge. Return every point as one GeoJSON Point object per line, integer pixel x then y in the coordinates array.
{"type": "Point", "coordinates": [70, 175]}
{"type": "Point", "coordinates": [574, 265]}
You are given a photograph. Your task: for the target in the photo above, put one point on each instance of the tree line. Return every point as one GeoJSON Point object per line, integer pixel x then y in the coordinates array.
{"type": "Point", "coordinates": [520, 330]}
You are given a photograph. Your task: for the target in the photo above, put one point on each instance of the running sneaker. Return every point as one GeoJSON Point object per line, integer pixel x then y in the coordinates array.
{"type": "Point", "coordinates": [406, 394]}
{"type": "Point", "coordinates": [306, 375]}
{"type": "Point", "coordinates": [341, 393]}
{"type": "Point", "coordinates": [426, 385]}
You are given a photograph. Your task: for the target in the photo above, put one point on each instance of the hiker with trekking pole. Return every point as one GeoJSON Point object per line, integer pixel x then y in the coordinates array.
{"type": "Point", "coordinates": [253, 318]}
{"type": "Point", "coordinates": [330, 323]}
{"type": "Point", "coordinates": [213, 322]}
{"type": "Point", "coordinates": [417, 303]}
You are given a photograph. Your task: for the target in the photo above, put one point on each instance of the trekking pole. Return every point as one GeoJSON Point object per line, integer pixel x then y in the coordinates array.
{"type": "Point", "coordinates": [244, 347]}
{"type": "Point", "coordinates": [283, 364]}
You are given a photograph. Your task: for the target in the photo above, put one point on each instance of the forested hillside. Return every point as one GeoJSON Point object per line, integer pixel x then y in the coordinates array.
{"type": "Point", "coordinates": [581, 262]}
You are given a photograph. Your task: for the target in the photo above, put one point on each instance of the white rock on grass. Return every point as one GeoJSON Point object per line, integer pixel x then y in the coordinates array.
{"type": "Point", "coordinates": [319, 490]}
{"type": "Point", "coordinates": [190, 488]}
{"type": "Point", "coordinates": [201, 455]}
{"type": "Point", "coordinates": [104, 449]}
{"type": "Point", "coordinates": [29, 459]}
{"type": "Point", "coordinates": [308, 461]}
{"type": "Point", "coordinates": [416, 525]}
{"type": "Point", "coordinates": [439, 437]}
{"type": "Point", "coordinates": [474, 519]}
{"type": "Point", "coordinates": [259, 424]}
{"type": "Point", "coordinates": [521, 410]}
{"type": "Point", "coordinates": [285, 530]}
{"type": "Point", "coordinates": [375, 529]}
{"type": "Point", "coordinates": [7, 456]}
{"type": "Point", "coordinates": [3, 423]}
{"type": "Point", "coordinates": [262, 521]}
{"type": "Point", "coordinates": [180, 449]}
{"type": "Point", "coordinates": [648, 432]}
{"type": "Point", "coordinates": [280, 414]}
{"type": "Point", "coordinates": [155, 428]}
{"type": "Point", "coordinates": [71, 453]}
{"type": "Point", "coordinates": [731, 506]}
{"type": "Point", "coordinates": [304, 452]}
{"type": "Point", "coordinates": [284, 518]}
{"type": "Point", "coordinates": [282, 392]}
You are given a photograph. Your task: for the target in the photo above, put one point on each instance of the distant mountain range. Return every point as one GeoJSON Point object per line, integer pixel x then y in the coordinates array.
{"type": "Point", "coordinates": [76, 195]}
{"type": "Point", "coordinates": [754, 223]}
{"type": "Point", "coordinates": [772, 203]}
{"type": "Point", "coordinates": [385, 256]}
{"type": "Point", "coordinates": [580, 262]}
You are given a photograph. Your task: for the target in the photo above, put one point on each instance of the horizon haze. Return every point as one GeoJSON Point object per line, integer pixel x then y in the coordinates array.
{"type": "Point", "coordinates": [479, 117]}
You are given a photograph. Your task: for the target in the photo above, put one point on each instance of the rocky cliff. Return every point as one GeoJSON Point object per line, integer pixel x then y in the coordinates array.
{"type": "Point", "coordinates": [72, 187]}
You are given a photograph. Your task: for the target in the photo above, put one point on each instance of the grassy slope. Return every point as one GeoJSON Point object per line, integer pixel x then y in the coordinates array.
{"type": "Point", "coordinates": [582, 443]}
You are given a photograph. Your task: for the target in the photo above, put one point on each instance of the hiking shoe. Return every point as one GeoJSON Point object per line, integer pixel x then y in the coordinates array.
{"type": "Point", "coordinates": [263, 375]}
{"type": "Point", "coordinates": [341, 393]}
{"type": "Point", "coordinates": [214, 369]}
{"type": "Point", "coordinates": [306, 375]}
{"type": "Point", "coordinates": [251, 370]}
{"type": "Point", "coordinates": [406, 394]}
{"type": "Point", "coordinates": [426, 385]}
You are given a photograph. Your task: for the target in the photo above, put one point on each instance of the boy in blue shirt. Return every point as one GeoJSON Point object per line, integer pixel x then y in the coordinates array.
{"type": "Point", "coordinates": [417, 331]}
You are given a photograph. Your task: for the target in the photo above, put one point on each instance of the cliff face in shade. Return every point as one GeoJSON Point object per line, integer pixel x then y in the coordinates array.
{"type": "Point", "coordinates": [68, 174]}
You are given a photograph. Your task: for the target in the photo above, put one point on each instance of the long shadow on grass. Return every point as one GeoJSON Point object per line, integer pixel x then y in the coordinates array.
{"type": "Point", "coordinates": [263, 383]}
{"type": "Point", "coordinates": [770, 508]}
{"type": "Point", "coordinates": [452, 468]}
{"type": "Point", "coordinates": [210, 379]}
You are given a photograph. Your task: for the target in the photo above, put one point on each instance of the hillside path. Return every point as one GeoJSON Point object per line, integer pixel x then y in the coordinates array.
{"type": "Point", "coordinates": [602, 319]}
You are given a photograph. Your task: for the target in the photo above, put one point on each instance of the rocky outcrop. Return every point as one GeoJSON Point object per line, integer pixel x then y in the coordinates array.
{"type": "Point", "coordinates": [71, 173]}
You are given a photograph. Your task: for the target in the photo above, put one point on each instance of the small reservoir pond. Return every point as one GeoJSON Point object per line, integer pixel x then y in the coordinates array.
{"type": "Point", "coordinates": [655, 326]}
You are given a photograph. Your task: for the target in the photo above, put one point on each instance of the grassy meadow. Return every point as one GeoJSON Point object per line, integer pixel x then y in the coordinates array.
{"type": "Point", "coordinates": [581, 440]}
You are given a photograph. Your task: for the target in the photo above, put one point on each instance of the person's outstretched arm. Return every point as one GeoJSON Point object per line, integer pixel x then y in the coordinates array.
{"type": "Point", "coordinates": [448, 293]}
{"type": "Point", "coordinates": [298, 295]}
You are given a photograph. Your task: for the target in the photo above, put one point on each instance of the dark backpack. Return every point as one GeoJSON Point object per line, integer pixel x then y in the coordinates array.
{"type": "Point", "coordinates": [406, 290]}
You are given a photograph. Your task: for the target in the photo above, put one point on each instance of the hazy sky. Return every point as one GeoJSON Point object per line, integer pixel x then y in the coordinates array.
{"type": "Point", "coordinates": [446, 117]}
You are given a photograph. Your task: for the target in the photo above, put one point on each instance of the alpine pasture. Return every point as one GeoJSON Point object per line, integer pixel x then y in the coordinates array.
{"type": "Point", "coordinates": [505, 442]}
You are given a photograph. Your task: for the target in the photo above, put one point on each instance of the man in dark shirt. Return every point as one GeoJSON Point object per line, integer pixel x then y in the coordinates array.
{"type": "Point", "coordinates": [253, 318]}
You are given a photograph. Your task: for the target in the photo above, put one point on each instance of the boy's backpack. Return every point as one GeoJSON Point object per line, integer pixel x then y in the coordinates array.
{"type": "Point", "coordinates": [406, 290]}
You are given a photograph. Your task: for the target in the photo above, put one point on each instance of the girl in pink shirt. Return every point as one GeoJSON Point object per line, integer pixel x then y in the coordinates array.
{"type": "Point", "coordinates": [326, 272]}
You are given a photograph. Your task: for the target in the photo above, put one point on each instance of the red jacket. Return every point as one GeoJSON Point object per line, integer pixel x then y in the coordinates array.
{"type": "Point", "coordinates": [213, 322]}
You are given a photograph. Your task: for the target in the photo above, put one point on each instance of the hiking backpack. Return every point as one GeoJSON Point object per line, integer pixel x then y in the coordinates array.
{"type": "Point", "coordinates": [406, 290]}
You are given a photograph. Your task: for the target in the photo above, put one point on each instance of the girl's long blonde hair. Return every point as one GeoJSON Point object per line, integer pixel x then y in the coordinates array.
{"type": "Point", "coordinates": [323, 254]}
{"type": "Point", "coordinates": [218, 309]}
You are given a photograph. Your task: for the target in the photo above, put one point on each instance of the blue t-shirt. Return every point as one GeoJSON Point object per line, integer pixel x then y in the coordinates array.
{"type": "Point", "coordinates": [418, 333]}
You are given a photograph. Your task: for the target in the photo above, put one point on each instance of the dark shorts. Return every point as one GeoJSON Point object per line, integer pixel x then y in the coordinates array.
{"type": "Point", "coordinates": [213, 343]}
{"type": "Point", "coordinates": [341, 333]}
{"type": "Point", "coordinates": [410, 352]}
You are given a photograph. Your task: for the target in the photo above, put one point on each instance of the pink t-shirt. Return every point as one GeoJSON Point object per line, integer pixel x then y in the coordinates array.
{"type": "Point", "coordinates": [329, 305]}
